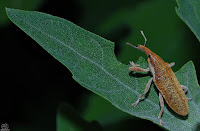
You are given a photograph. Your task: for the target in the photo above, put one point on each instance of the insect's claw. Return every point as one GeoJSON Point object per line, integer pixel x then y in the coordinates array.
{"type": "Point", "coordinates": [134, 104]}
{"type": "Point", "coordinates": [161, 122]}
{"type": "Point", "coordinates": [133, 64]}
{"type": "Point", "coordinates": [189, 99]}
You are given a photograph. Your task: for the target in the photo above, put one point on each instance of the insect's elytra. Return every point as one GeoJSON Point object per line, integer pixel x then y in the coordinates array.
{"type": "Point", "coordinates": [165, 80]}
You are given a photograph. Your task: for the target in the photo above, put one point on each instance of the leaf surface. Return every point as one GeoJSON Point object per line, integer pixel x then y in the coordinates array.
{"type": "Point", "coordinates": [92, 61]}
{"type": "Point", "coordinates": [188, 11]}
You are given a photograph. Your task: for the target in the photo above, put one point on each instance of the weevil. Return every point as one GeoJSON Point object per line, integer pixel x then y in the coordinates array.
{"type": "Point", "coordinates": [165, 80]}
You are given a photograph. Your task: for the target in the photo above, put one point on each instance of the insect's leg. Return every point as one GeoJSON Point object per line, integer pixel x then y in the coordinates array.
{"type": "Point", "coordinates": [137, 68]}
{"type": "Point", "coordinates": [189, 99]}
{"type": "Point", "coordinates": [145, 91]}
{"type": "Point", "coordinates": [171, 64]}
{"type": "Point", "coordinates": [185, 88]}
{"type": "Point", "coordinates": [162, 108]}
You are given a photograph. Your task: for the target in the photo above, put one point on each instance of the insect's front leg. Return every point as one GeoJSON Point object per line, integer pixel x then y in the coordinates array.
{"type": "Point", "coordinates": [171, 64]}
{"type": "Point", "coordinates": [137, 68]}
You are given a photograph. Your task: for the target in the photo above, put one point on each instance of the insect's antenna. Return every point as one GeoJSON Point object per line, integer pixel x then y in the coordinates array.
{"type": "Point", "coordinates": [144, 37]}
{"type": "Point", "coordinates": [132, 45]}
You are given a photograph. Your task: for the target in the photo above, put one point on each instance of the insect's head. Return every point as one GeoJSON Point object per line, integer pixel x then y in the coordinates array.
{"type": "Point", "coordinates": [142, 48]}
{"type": "Point", "coordinates": [147, 51]}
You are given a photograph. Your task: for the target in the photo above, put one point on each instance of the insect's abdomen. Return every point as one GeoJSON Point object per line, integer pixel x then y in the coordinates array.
{"type": "Point", "coordinates": [171, 90]}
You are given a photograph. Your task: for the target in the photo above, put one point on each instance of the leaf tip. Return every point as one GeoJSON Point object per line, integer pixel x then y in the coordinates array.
{"type": "Point", "coordinates": [8, 11]}
{"type": "Point", "coordinates": [190, 63]}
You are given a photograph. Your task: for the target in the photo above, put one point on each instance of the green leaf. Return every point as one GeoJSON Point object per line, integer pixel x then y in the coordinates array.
{"type": "Point", "coordinates": [70, 120]}
{"type": "Point", "coordinates": [101, 110]}
{"type": "Point", "coordinates": [188, 11]}
{"type": "Point", "coordinates": [93, 64]}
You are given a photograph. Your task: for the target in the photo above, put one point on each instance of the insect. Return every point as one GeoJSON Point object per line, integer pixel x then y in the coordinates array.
{"type": "Point", "coordinates": [165, 80]}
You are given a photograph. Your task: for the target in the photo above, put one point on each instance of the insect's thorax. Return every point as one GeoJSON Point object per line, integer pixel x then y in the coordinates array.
{"type": "Point", "coordinates": [156, 64]}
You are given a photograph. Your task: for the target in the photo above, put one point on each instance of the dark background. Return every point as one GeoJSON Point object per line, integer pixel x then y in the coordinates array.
{"type": "Point", "coordinates": [33, 83]}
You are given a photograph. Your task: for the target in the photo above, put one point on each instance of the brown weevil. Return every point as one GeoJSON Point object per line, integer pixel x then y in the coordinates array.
{"type": "Point", "coordinates": [165, 80]}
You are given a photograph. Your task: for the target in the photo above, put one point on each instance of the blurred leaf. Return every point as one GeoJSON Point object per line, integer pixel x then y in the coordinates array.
{"type": "Point", "coordinates": [20, 4]}
{"type": "Point", "coordinates": [101, 110]}
{"type": "Point", "coordinates": [93, 64]}
{"type": "Point", "coordinates": [189, 12]}
{"type": "Point", "coordinates": [93, 14]}
{"type": "Point", "coordinates": [69, 120]}
{"type": "Point", "coordinates": [164, 31]}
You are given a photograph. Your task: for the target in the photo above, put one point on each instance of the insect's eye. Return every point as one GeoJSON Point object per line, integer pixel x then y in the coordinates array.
{"type": "Point", "coordinates": [149, 56]}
